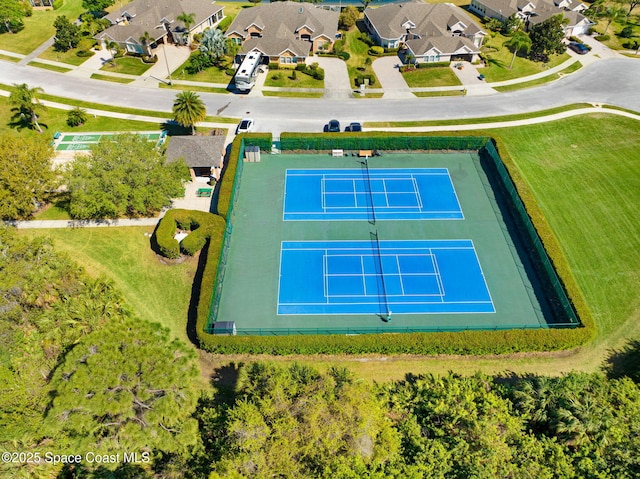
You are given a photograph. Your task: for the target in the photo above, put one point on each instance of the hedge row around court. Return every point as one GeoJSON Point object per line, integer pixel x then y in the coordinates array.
{"type": "Point", "coordinates": [464, 342]}
{"type": "Point", "coordinates": [202, 226]}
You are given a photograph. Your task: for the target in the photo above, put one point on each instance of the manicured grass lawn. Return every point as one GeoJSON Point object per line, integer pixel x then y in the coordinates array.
{"type": "Point", "coordinates": [615, 41]}
{"type": "Point", "coordinates": [46, 66]}
{"type": "Point", "coordinates": [57, 210]}
{"type": "Point", "coordinates": [431, 77]}
{"type": "Point", "coordinates": [359, 53]}
{"type": "Point", "coordinates": [128, 65]}
{"type": "Point", "coordinates": [439, 93]}
{"type": "Point", "coordinates": [9, 58]}
{"type": "Point", "coordinates": [282, 78]}
{"type": "Point", "coordinates": [210, 75]}
{"type": "Point", "coordinates": [38, 28]}
{"type": "Point", "coordinates": [157, 292]}
{"type": "Point", "coordinates": [293, 94]}
{"type": "Point", "coordinates": [70, 56]}
{"type": "Point", "coordinates": [177, 86]}
{"type": "Point", "coordinates": [97, 76]}
{"type": "Point", "coordinates": [499, 61]}
{"type": "Point", "coordinates": [540, 81]}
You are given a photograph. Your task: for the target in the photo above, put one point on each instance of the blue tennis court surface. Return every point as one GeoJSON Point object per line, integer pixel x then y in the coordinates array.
{"type": "Point", "coordinates": [367, 277]}
{"type": "Point", "coordinates": [352, 194]}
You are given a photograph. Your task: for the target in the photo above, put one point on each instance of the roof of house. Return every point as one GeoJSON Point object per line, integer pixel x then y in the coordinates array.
{"type": "Point", "coordinates": [279, 23]}
{"type": "Point", "coordinates": [542, 10]}
{"type": "Point", "coordinates": [140, 16]}
{"type": "Point", "coordinates": [444, 45]}
{"type": "Point", "coordinates": [425, 19]}
{"type": "Point", "coordinates": [197, 151]}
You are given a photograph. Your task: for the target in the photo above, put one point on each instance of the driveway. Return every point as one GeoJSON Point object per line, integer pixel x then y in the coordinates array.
{"type": "Point", "coordinates": [336, 77]}
{"type": "Point", "coordinates": [391, 80]}
{"type": "Point", "coordinates": [170, 57]}
{"type": "Point", "coordinates": [470, 78]}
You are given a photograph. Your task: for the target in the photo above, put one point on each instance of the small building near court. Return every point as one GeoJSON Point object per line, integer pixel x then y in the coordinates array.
{"type": "Point", "coordinates": [204, 155]}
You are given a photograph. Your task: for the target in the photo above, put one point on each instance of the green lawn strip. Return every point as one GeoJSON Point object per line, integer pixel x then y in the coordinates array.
{"type": "Point", "coordinates": [490, 119]}
{"type": "Point", "coordinates": [127, 65]}
{"type": "Point", "coordinates": [358, 51]}
{"type": "Point", "coordinates": [118, 109]}
{"type": "Point", "coordinates": [39, 27]}
{"type": "Point", "coordinates": [47, 66]}
{"type": "Point", "coordinates": [97, 76]}
{"type": "Point", "coordinates": [71, 56]}
{"type": "Point", "coordinates": [540, 81]}
{"type": "Point", "coordinates": [9, 58]}
{"type": "Point", "coordinates": [156, 291]}
{"type": "Point", "coordinates": [368, 95]}
{"type": "Point", "coordinates": [208, 89]}
{"type": "Point", "coordinates": [282, 78]}
{"type": "Point", "coordinates": [439, 93]}
{"type": "Point", "coordinates": [293, 94]}
{"type": "Point", "coordinates": [499, 61]}
{"type": "Point", "coordinates": [56, 210]}
{"type": "Point", "coordinates": [431, 77]}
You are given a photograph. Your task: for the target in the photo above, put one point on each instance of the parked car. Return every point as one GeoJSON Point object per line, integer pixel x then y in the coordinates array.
{"type": "Point", "coordinates": [332, 127]}
{"type": "Point", "coordinates": [245, 126]}
{"type": "Point", "coordinates": [579, 48]}
{"type": "Point", "coordinates": [353, 127]}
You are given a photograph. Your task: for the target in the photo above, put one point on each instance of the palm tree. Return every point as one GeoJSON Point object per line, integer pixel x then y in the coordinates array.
{"type": "Point", "coordinates": [112, 47]}
{"type": "Point", "coordinates": [189, 109]}
{"type": "Point", "coordinates": [518, 41]}
{"type": "Point", "coordinates": [213, 44]}
{"type": "Point", "coordinates": [187, 19]}
{"type": "Point", "coordinates": [27, 104]}
{"type": "Point", "coordinates": [613, 14]}
{"type": "Point", "coordinates": [145, 39]}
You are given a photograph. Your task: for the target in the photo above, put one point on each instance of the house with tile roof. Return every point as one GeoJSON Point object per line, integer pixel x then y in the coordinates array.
{"type": "Point", "coordinates": [285, 32]}
{"type": "Point", "coordinates": [204, 155]}
{"type": "Point", "coordinates": [533, 12]}
{"type": "Point", "coordinates": [159, 20]}
{"type": "Point", "coordinates": [431, 32]}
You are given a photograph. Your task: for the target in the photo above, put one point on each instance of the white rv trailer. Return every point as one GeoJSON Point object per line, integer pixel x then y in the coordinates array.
{"type": "Point", "coordinates": [248, 71]}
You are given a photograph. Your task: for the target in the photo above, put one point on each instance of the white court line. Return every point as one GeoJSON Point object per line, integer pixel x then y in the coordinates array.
{"type": "Point", "coordinates": [325, 281]}
{"type": "Point", "coordinates": [438, 277]}
{"type": "Point", "coordinates": [417, 192]}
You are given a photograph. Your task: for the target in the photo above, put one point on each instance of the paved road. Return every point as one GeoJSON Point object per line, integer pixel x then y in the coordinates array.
{"type": "Point", "coordinates": [614, 81]}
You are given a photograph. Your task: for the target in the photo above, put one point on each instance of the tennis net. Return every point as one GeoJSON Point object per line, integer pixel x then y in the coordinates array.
{"type": "Point", "coordinates": [367, 181]}
{"type": "Point", "coordinates": [382, 289]}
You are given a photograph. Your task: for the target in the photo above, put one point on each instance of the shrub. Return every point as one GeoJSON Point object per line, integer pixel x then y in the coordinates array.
{"type": "Point", "coordinates": [274, 66]}
{"type": "Point", "coordinates": [276, 76]}
{"type": "Point", "coordinates": [432, 65]}
{"type": "Point", "coordinates": [150, 59]}
{"type": "Point", "coordinates": [365, 38]}
{"type": "Point", "coordinates": [344, 55]}
{"type": "Point", "coordinates": [318, 74]}
{"type": "Point", "coordinates": [76, 117]}
{"type": "Point", "coordinates": [360, 79]}
{"type": "Point", "coordinates": [84, 53]}
{"type": "Point", "coordinates": [230, 72]}
{"type": "Point", "coordinates": [376, 50]}
{"type": "Point", "coordinates": [627, 32]}
{"type": "Point", "coordinates": [224, 23]}
{"type": "Point", "coordinates": [201, 225]}
{"type": "Point", "coordinates": [294, 75]}
{"type": "Point", "coordinates": [301, 67]}
{"type": "Point", "coordinates": [57, 4]}
{"type": "Point", "coordinates": [338, 46]}
{"type": "Point", "coordinates": [602, 38]}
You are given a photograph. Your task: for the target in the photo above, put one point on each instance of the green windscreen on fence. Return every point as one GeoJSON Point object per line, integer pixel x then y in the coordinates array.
{"type": "Point", "coordinates": [224, 252]}
{"type": "Point", "coordinates": [563, 312]}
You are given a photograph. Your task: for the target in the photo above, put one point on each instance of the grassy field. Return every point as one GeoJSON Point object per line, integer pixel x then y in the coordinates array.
{"type": "Point", "coordinates": [156, 291]}
{"type": "Point", "coordinates": [499, 56]}
{"type": "Point", "coordinates": [359, 53]}
{"type": "Point", "coordinates": [70, 56]}
{"type": "Point", "coordinates": [46, 66]}
{"type": "Point", "coordinates": [282, 79]}
{"type": "Point", "coordinates": [431, 77]}
{"type": "Point", "coordinates": [209, 75]}
{"type": "Point", "coordinates": [540, 81]}
{"type": "Point", "coordinates": [39, 27]}
{"type": "Point", "coordinates": [586, 177]}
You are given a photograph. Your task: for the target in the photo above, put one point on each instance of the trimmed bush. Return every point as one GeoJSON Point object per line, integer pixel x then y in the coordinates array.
{"type": "Point", "coordinates": [627, 32]}
{"type": "Point", "coordinates": [274, 66]}
{"type": "Point", "coordinates": [344, 55]}
{"type": "Point", "coordinates": [318, 73]}
{"type": "Point", "coordinates": [150, 59]}
{"type": "Point", "coordinates": [359, 80]}
{"type": "Point", "coordinates": [57, 4]}
{"type": "Point", "coordinates": [365, 38]}
{"type": "Point", "coordinates": [84, 53]}
{"type": "Point", "coordinates": [376, 50]}
{"type": "Point", "coordinates": [301, 67]}
{"type": "Point", "coordinates": [602, 38]}
{"type": "Point", "coordinates": [200, 223]}
{"type": "Point", "coordinates": [432, 65]}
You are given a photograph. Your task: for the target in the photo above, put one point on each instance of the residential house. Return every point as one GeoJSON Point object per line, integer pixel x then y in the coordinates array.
{"type": "Point", "coordinates": [285, 32]}
{"type": "Point", "coordinates": [431, 32]}
{"type": "Point", "coordinates": [41, 3]}
{"type": "Point", "coordinates": [532, 12]}
{"type": "Point", "coordinates": [157, 21]}
{"type": "Point", "coordinates": [204, 155]}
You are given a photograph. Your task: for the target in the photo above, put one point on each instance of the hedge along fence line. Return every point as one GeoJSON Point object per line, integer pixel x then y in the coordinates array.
{"type": "Point", "coordinates": [465, 342]}
{"type": "Point", "coordinates": [202, 225]}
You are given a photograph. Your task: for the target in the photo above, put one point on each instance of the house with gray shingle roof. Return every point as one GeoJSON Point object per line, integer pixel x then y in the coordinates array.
{"type": "Point", "coordinates": [284, 31]}
{"type": "Point", "coordinates": [431, 32]}
{"type": "Point", "coordinates": [204, 155]}
{"type": "Point", "coordinates": [159, 19]}
{"type": "Point", "coordinates": [532, 12]}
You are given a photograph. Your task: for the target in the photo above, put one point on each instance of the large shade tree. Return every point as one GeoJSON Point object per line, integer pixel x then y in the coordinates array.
{"type": "Point", "coordinates": [546, 37]}
{"type": "Point", "coordinates": [26, 105]}
{"type": "Point", "coordinates": [189, 109]}
{"type": "Point", "coordinates": [27, 176]}
{"type": "Point", "coordinates": [123, 176]}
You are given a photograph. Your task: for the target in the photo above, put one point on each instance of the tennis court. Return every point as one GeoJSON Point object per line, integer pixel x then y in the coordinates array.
{"type": "Point", "coordinates": [83, 141]}
{"type": "Point", "coordinates": [380, 277]}
{"type": "Point", "coordinates": [359, 194]}
{"type": "Point", "coordinates": [303, 259]}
